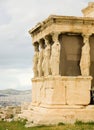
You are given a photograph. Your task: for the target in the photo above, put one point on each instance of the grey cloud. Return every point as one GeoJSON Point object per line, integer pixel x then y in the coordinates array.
{"type": "Point", "coordinates": [16, 18]}
{"type": "Point", "coordinates": [15, 42]}
{"type": "Point", "coordinates": [16, 56]}
{"type": "Point", "coordinates": [4, 17]}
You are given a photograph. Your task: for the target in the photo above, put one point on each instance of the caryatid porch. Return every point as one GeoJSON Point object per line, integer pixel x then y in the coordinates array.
{"type": "Point", "coordinates": [62, 61]}
{"type": "Point", "coordinates": [63, 70]}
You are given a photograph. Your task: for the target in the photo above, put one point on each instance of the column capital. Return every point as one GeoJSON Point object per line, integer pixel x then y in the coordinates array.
{"type": "Point", "coordinates": [41, 43]}
{"type": "Point", "coordinates": [36, 43]}
{"type": "Point", "coordinates": [47, 39]}
{"type": "Point", "coordinates": [86, 38]}
{"type": "Point", "coordinates": [55, 36]}
{"type": "Point", "coordinates": [36, 46]}
{"type": "Point", "coordinates": [86, 35]}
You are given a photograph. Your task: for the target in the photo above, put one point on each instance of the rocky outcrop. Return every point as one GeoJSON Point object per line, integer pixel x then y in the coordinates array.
{"type": "Point", "coordinates": [9, 113]}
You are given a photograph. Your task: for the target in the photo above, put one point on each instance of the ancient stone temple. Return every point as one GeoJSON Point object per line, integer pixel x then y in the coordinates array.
{"type": "Point", "coordinates": [63, 69]}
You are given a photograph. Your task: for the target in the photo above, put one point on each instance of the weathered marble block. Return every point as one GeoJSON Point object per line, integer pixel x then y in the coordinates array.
{"type": "Point", "coordinates": [53, 90]}
{"type": "Point", "coordinates": [78, 90]}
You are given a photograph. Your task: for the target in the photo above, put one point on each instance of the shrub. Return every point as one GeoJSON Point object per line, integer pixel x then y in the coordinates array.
{"type": "Point", "coordinates": [60, 123]}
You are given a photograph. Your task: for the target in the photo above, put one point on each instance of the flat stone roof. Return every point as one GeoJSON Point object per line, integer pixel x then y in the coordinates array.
{"type": "Point", "coordinates": [62, 19]}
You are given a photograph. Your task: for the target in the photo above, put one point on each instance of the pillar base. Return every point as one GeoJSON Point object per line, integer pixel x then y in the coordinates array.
{"type": "Point", "coordinates": [58, 99]}
{"type": "Point", "coordinates": [66, 114]}
{"type": "Point", "coordinates": [61, 90]}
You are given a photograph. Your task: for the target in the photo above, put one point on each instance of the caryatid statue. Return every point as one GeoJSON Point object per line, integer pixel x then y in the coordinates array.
{"type": "Point", "coordinates": [46, 60]}
{"type": "Point", "coordinates": [35, 59]}
{"type": "Point", "coordinates": [41, 57]}
{"type": "Point", "coordinates": [55, 55]}
{"type": "Point", "coordinates": [85, 57]}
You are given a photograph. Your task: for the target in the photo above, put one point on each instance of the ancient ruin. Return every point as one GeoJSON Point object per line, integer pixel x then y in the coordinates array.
{"type": "Point", "coordinates": [63, 69]}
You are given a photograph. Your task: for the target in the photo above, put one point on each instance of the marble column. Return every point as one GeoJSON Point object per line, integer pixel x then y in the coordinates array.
{"type": "Point", "coordinates": [35, 59]}
{"type": "Point", "coordinates": [55, 55]}
{"type": "Point", "coordinates": [85, 57]}
{"type": "Point", "coordinates": [46, 60]}
{"type": "Point", "coordinates": [41, 57]}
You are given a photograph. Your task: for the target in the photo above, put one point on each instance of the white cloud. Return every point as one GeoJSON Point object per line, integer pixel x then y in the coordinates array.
{"type": "Point", "coordinates": [16, 78]}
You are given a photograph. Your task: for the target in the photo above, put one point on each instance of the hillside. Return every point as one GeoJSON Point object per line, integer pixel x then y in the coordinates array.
{"type": "Point", "coordinates": [14, 92]}
{"type": "Point", "coordinates": [12, 97]}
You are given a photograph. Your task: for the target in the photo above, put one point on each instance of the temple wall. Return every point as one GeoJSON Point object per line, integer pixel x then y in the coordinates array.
{"type": "Point", "coordinates": [63, 69]}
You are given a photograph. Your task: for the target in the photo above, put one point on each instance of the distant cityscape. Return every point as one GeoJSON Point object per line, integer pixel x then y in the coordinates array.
{"type": "Point", "coordinates": [11, 97]}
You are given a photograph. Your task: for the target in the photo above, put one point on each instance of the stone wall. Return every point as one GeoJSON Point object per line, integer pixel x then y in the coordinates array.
{"type": "Point", "coordinates": [63, 70]}
{"type": "Point", "coordinates": [61, 90]}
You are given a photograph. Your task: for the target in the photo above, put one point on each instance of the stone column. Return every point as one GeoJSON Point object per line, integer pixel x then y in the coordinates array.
{"type": "Point", "coordinates": [85, 57]}
{"type": "Point", "coordinates": [46, 60]}
{"type": "Point", "coordinates": [35, 59]}
{"type": "Point", "coordinates": [55, 55]}
{"type": "Point", "coordinates": [41, 57]}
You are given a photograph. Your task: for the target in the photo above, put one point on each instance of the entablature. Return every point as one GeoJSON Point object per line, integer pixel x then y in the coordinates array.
{"type": "Point", "coordinates": [62, 24]}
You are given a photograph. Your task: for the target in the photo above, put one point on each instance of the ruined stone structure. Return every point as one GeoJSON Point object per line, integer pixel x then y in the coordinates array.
{"type": "Point", "coordinates": [63, 69]}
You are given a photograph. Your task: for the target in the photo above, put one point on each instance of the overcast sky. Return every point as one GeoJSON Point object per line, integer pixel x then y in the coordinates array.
{"type": "Point", "coordinates": [16, 50]}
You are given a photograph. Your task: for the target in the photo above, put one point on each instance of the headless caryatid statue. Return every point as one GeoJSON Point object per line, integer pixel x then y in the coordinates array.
{"type": "Point", "coordinates": [85, 57]}
{"type": "Point", "coordinates": [55, 55]}
{"type": "Point", "coordinates": [35, 60]}
{"type": "Point", "coordinates": [46, 61]}
{"type": "Point", "coordinates": [41, 57]}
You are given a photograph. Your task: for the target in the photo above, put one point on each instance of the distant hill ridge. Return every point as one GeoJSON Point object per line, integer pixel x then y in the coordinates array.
{"type": "Point", "coordinates": [14, 92]}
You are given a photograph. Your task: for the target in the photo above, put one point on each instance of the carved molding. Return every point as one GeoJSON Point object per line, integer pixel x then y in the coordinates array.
{"type": "Point", "coordinates": [61, 20]}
